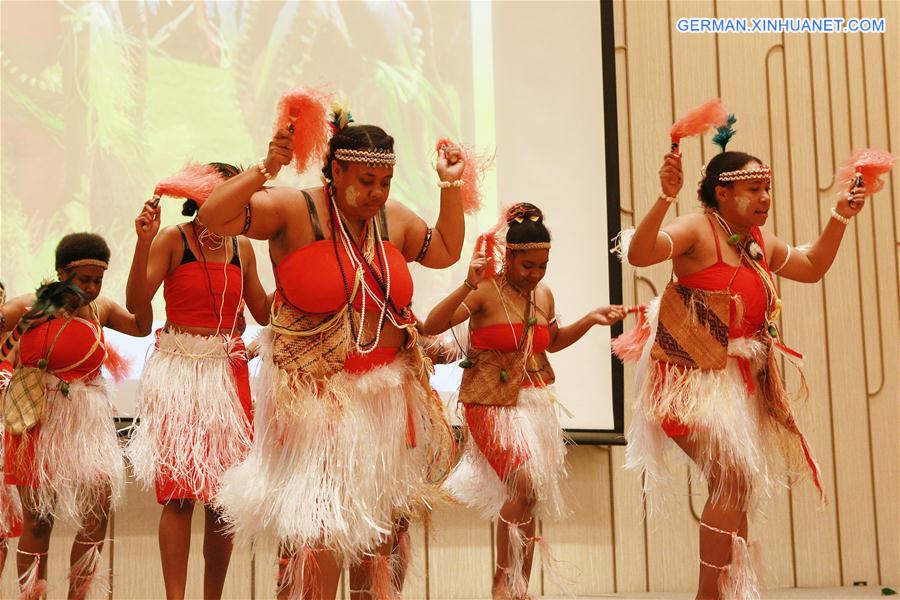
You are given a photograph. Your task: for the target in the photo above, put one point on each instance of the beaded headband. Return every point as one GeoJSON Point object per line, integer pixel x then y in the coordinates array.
{"type": "Point", "coordinates": [86, 262]}
{"type": "Point", "coordinates": [764, 172]}
{"type": "Point", "coordinates": [529, 246]}
{"type": "Point", "coordinates": [376, 157]}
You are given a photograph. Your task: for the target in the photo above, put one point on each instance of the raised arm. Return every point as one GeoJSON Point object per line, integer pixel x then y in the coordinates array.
{"type": "Point", "coordinates": [241, 206]}
{"type": "Point", "coordinates": [444, 246]}
{"type": "Point", "coordinates": [151, 261]}
{"type": "Point", "coordinates": [650, 244]}
{"type": "Point", "coordinates": [450, 311]}
{"type": "Point", "coordinates": [810, 265]}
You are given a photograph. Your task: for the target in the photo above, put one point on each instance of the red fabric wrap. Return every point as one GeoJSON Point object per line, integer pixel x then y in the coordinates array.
{"type": "Point", "coordinates": [320, 290]}
{"type": "Point", "coordinates": [193, 294]}
{"type": "Point", "coordinates": [504, 337]}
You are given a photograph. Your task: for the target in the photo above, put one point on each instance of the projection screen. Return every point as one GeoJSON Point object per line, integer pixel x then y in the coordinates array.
{"type": "Point", "coordinates": [101, 100]}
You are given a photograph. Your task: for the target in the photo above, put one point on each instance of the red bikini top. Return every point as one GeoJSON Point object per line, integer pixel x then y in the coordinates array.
{"type": "Point", "coordinates": [193, 291]}
{"type": "Point", "coordinates": [73, 348]}
{"type": "Point", "coordinates": [744, 283]}
{"type": "Point", "coordinates": [504, 337]}
{"type": "Point", "coordinates": [317, 278]}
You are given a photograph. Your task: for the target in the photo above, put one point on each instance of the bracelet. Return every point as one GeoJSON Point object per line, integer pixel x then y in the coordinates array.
{"type": "Point", "coordinates": [668, 199]}
{"type": "Point", "coordinates": [671, 243]}
{"type": "Point", "coordinates": [425, 244]}
{"type": "Point", "coordinates": [449, 184]}
{"type": "Point", "coordinates": [261, 165]}
{"type": "Point", "coordinates": [469, 285]}
{"type": "Point", "coordinates": [247, 217]}
{"type": "Point", "coordinates": [839, 217]}
{"type": "Point", "coordinates": [787, 257]}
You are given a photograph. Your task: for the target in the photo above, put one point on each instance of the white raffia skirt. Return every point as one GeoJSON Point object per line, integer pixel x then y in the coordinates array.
{"type": "Point", "coordinates": [506, 446]}
{"type": "Point", "coordinates": [193, 422]}
{"type": "Point", "coordinates": [333, 468]}
{"type": "Point", "coordinates": [72, 459]}
{"type": "Point", "coordinates": [724, 413]}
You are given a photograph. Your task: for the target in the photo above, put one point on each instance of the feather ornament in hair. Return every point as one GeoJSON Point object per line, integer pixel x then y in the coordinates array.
{"type": "Point", "coordinates": [698, 120]}
{"type": "Point", "coordinates": [864, 168]}
{"type": "Point", "coordinates": [194, 182]}
{"type": "Point", "coordinates": [724, 133]}
{"type": "Point", "coordinates": [302, 111]}
{"type": "Point", "coordinates": [475, 167]}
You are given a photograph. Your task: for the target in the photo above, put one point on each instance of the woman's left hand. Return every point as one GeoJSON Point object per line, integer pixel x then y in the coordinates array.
{"type": "Point", "coordinates": [609, 315]}
{"type": "Point", "coordinates": [851, 202]}
{"type": "Point", "coordinates": [451, 163]}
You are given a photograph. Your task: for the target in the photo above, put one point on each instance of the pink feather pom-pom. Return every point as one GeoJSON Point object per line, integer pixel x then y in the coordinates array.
{"type": "Point", "coordinates": [476, 166]}
{"type": "Point", "coordinates": [629, 346]}
{"type": "Point", "coordinates": [304, 109]}
{"type": "Point", "coordinates": [195, 182]}
{"type": "Point", "coordinates": [868, 162]}
{"type": "Point", "coordinates": [116, 363]}
{"type": "Point", "coordinates": [699, 120]}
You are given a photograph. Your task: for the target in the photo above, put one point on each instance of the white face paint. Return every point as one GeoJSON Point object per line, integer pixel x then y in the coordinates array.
{"type": "Point", "coordinates": [742, 203]}
{"type": "Point", "coordinates": [352, 196]}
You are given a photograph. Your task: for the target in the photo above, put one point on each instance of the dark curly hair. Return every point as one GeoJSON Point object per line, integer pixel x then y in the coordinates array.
{"type": "Point", "coordinates": [190, 207]}
{"type": "Point", "coordinates": [79, 246]}
{"type": "Point", "coordinates": [356, 137]}
{"type": "Point", "coordinates": [531, 229]}
{"type": "Point", "coordinates": [720, 163]}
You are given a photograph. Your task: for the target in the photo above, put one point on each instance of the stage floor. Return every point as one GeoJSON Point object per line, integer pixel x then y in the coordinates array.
{"type": "Point", "coordinates": [776, 594]}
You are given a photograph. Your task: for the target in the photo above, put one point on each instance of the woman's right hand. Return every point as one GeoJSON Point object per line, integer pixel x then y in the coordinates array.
{"type": "Point", "coordinates": [671, 177]}
{"type": "Point", "coordinates": [477, 268]}
{"type": "Point", "coordinates": [147, 223]}
{"type": "Point", "coordinates": [281, 151]}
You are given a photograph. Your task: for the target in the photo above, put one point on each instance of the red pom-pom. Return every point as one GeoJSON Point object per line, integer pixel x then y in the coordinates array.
{"type": "Point", "coordinates": [195, 182]}
{"type": "Point", "coordinates": [304, 109]}
{"type": "Point", "coordinates": [629, 346]}
{"type": "Point", "coordinates": [699, 120]}
{"type": "Point", "coordinates": [868, 162]}
{"type": "Point", "coordinates": [117, 365]}
{"type": "Point", "coordinates": [476, 165]}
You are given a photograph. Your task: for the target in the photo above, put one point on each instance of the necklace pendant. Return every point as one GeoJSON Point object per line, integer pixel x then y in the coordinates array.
{"type": "Point", "coordinates": [773, 331]}
{"type": "Point", "coordinates": [735, 239]}
{"type": "Point", "coordinates": [532, 321]}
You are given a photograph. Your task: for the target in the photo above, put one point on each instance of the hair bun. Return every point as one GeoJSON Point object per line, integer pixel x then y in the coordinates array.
{"type": "Point", "coordinates": [340, 117]}
{"type": "Point", "coordinates": [519, 213]}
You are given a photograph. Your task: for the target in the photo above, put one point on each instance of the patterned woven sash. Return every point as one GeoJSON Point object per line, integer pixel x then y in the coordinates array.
{"type": "Point", "coordinates": [693, 328]}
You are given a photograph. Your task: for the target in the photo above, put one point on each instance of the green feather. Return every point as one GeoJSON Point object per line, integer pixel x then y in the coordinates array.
{"type": "Point", "coordinates": [724, 133]}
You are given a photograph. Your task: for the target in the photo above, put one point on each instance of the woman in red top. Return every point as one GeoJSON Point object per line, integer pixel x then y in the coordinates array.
{"type": "Point", "coordinates": [514, 458]}
{"type": "Point", "coordinates": [194, 407]}
{"type": "Point", "coordinates": [734, 422]}
{"type": "Point", "coordinates": [10, 507]}
{"type": "Point", "coordinates": [346, 425]}
{"type": "Point", "coordinates": [68, 466]}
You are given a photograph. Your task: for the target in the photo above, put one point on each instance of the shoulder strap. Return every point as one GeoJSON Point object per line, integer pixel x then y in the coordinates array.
{"type": "Point", "coordinates": [382, 217]}
{"type": "Point", "coordinates": [313, 216]}
{"type": "Point", "coordinates": [186, 254]}
{"type": "Point", "coordinates": [235, 255]}
{"type": "Point", "coordinates": [715, 234]}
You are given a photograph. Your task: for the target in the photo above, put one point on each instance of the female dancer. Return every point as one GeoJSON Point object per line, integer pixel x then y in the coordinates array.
{"type": "Point", "coordinates": [10, 507]}
{"type": "Point", "coordinates": [514, 457]}
{"type": "Point", "coordinates": [68, 465]}
{"type": "Point", "coordinates": [194, 405]}
{"type": "Point", "coordinates": [348, 434]}
{"type": "Point", "coordinates": [707, 376]}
